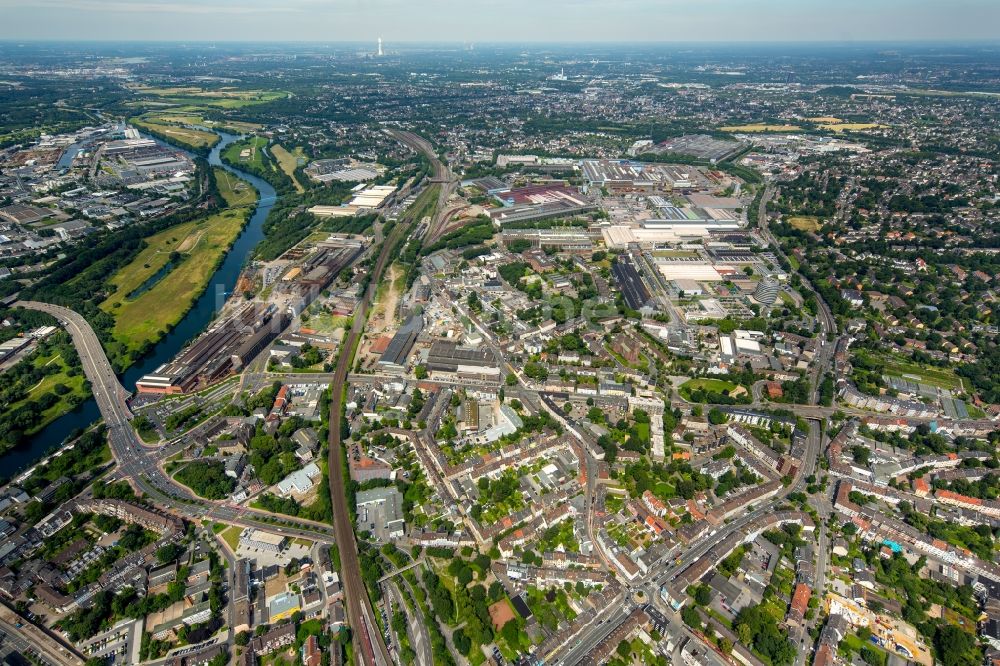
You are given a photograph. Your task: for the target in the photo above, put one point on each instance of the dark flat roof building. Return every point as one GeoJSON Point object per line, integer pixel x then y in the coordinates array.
{"type": "Point", "coordinates": [627, 277]}
{"type": "Point", "coordinates": [402, 343]}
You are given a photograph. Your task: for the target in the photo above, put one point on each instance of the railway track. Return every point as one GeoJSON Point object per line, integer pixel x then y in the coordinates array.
{"type": "Point", "coordinates": [359, 607]}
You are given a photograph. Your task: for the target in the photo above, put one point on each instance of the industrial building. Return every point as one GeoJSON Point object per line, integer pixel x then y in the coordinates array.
{"type": "Point", "coordinates": [366, 198]}
{"type": "Point", "coordinates": [394, 356]}
{"type": "Point", "coordinates": [342, 169]}
{"type": "Point", "coordinates": [380, 511]}
{"type": "Point", "coordinates": [655, 232]}
{"type": "Point", "coordinates": [630, 283]}
{"type": "Point", "coordinates": [224, 348]}
{"type": "Point", "coordinates": [575, 240]}
{"type": "Point", "coordinates": [234, 341]}
{"type": "Point", "coordinates": [449, 358]}
{"type": "Point", "coordinates": [539, 202]}
{"type": "Point", "coordinates": [703, 146]}
{"type": "Point", "coordinates": [639, 177]}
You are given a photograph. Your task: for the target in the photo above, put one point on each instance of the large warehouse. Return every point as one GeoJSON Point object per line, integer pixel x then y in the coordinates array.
{"type": "Point", "coordinates": [657, 232]}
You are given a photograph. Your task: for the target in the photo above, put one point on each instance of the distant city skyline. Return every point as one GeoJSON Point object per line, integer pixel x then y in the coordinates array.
{"type": "Point", "coordinates": [668, 21]}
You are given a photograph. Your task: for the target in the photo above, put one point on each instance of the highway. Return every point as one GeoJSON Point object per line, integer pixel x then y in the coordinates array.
{"type": "Point", "coordinates": [139, 464]}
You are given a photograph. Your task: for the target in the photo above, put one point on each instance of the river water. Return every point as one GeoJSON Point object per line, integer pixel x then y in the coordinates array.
{"type": "Point", "coordinates": [34, 448]}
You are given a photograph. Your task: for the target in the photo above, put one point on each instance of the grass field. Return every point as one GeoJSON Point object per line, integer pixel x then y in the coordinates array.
{"type": "Point", "coordinates": [288, 161]}
{"type": "Point", "coordinates": [224, 98]}
{"type": "Point", "coordinates": [231, 535]}
{"type": "Point", "coordinates": [192, 117]}
{"type": "Point", "coordinates": [256, 144]}
{"type": "Point", "coordinates": [825, 120]}
{"type": "Point", "coordinates": [236, 191]}
{"type": "Point", "coordinates": [761, 127]}
{"type": "Point", "coordinates": [47, 385]}
{"type": "Point", "coordinates": [185, 135]}
{"type": "Point", "coordinates": [147, 317]}
{"type": "Point", "coordinates": [325, 323]}
{"type": "Point", "coordinates": [805, 223]}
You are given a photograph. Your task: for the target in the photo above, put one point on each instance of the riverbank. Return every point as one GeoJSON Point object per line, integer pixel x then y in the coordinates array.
{"type": "Point", "coordinates": [191, 252]}
{"type": "Point", "coordinates": [220, 283]}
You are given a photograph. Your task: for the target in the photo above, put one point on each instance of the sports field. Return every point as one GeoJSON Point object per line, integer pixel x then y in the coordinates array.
{"type": "Point", "coordinates": [148, 315]}
{"type": "Point", "coordinates": [940, 377]}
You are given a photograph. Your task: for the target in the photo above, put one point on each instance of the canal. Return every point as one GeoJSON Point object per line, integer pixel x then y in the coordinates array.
{"type": "Point", "coordinates": [50, 438]}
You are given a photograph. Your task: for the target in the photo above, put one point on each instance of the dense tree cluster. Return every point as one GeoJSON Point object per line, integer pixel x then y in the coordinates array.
{"type": "Point", "coordinates": [207, 478]}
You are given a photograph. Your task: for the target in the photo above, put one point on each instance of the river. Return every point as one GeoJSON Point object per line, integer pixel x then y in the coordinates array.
{"type": "Point", "coordinates": [47, 440]}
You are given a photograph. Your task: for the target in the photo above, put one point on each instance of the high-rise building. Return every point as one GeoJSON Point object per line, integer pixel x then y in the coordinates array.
{"type": "Point", "coordinates": [380, 53]}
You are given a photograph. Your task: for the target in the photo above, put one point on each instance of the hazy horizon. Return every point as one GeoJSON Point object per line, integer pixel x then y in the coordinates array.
{"type": "Point", "coordinates": [517, 21]}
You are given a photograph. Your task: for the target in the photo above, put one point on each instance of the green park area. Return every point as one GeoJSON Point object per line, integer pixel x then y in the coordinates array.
{"type": "Point", "coordinates": [236, 191]}
{"type": "Point", "coordinates": [156, 289]}
{"type": "Point", "coordinates": [707, 385]}
{"type": "Point", "coordinates": [57, 391]}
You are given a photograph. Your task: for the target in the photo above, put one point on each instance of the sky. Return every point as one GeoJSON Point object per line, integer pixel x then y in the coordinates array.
{"type": "Point", "coordinates": [668, 21]}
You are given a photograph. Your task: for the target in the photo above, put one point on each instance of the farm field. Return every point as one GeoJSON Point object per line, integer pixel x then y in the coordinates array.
{"type": "Point", "coordinates": [288, 161]}
{"type": "Point", "coordinates": [189, 137]}
{"type": "Point", "coordinates": [147, 316]}
{"type": "Point", "coordinates": [850, 127]}
{"type": "Point", "coordinates": [761, 127]}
